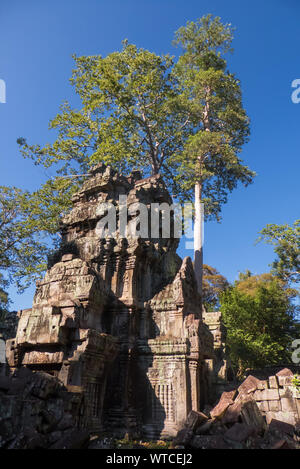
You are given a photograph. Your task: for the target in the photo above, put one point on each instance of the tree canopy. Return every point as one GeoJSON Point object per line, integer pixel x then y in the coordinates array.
{"type": "Point", "coordinates": [209, 163]}
{"type": "Point", "coordinates": [213, 285]}
{"type": "Point", "coordinates": [181, 118]}
{"type": "Point", "coordinates": [219, 126]}
{"type": "Point", "coordinates": [286, 242]}
{"type": "Point", "coordinates": [259, 315]}
{"type": "Point", "coordinates": [130, 119]}
{"type": "Point", "coordinates": [127, 118]}
{"type": "Point", "coordinates": [144, 111]}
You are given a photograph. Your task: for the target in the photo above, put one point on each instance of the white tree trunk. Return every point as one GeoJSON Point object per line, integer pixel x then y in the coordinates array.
{"type": "Point", "coordinates": [198, 238]}
{"type": "Point", "coordinates": [199, 215]}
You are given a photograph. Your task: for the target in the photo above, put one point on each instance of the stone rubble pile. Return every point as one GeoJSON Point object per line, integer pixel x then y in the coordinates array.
{"type": "Point", "coordinates": [38, 412]}
{"type": "Point", "coordinates": [260, 414]}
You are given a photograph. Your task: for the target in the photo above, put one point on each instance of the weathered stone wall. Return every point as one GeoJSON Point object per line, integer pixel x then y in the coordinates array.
{"type": "Point", "coordinates": [37, 411]}
{"type": "Point", "coordinates": [219, 368]}
{"type": "Point", "coordinates": [271, 370]}
{"type": "Point", "coordinates": [278, 399]}
{"type": "Point", "coordinates": [119, 317]}
{"type": "Point", "coordinates": [258, 414]}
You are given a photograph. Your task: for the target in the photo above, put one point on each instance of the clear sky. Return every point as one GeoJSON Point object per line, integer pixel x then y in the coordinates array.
{"type": "Point", "coordinates": [38, 38]}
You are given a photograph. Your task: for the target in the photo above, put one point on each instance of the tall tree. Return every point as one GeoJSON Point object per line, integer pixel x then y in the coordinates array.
{"type": "Point", "coordinates": [286, 242]}
{"type": "Point", "coordinates": [219, 124]}
{"type": "Point", "coordinates": [140, 111]}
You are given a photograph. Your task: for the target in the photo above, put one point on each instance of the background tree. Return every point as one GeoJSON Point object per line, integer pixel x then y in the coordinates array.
{"type": "Point", "coordinates": [259, 315]}
{"type": "Point", "coordinates": [213, 285]}
{"type": "Point", "coordinates": [4, 301]}
{"type": "Point", "coordinates": [22, 251]}
{"type": "Point", "coordinates": [219, 127]}
{"type": "Point", "coordinates": [286, 242]}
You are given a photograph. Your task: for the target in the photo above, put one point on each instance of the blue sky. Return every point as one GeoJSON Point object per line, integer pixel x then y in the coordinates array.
{"type": "Point", "coordinates": [38, 38]}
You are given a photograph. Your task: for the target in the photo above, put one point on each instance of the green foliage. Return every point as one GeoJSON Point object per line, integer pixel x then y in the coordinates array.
{"type": "Point", "coordinates": [249, 283]}
{"type": "Point", "coordinates": [140, 110]}
{"type": "Point", "coordinates": [133, 95]}
{"type": "Point", "coordinates": [219, 126]}
{"type": "Point", "coordinates": [213, 285]}
{"type": "Point", "coordinates": [258, 313]}
{"type": "Point", "coordinates": [130, 119]}
{"type": "Point", "coordinates": [4, 301]}
{"type": "Point", "coordinates": [286, 242]}
{"type": "Point", "coordinates": [22, 253]}
{"type": "Point", "coordinates": [204, 37]}
{"type": "Point", "coordinates": [296, 382]}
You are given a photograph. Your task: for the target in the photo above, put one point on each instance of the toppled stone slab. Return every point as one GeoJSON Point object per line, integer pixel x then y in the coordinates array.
{"type": "Point", "coordinates": [205, 427]}
{"type": "Point", "coordinates": [240, 432]}
{"type": "Point", "coordinates": [233, 413]}
{"type": "Point", "coordinates": [282, 444]}
{"type": "Point", "coordinates": [285, 377]}
{"type": "Point", "coordinates": [183, 437]}
{"type": "Point", "coordinates": [226, 400]}
{"type": "Point", "coordinates": [195, 419]}
{"type": "Point", "coordinates": [248, 386]}
{"type": "Point", "coordinates": [252, 416]}
{"type": "Point", "coordinates": [285, 372]}
{"type": "Point", "coordinates": [281, 427]}
{"type": "Point", "coordinates": [208, 442]}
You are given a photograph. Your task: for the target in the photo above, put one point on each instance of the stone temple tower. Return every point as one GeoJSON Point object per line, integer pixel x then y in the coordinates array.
{"type": "Point", "coordinates": [118, 318]}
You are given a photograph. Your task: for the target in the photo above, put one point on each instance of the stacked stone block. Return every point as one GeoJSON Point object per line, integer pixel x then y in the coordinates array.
{"type": "Point", "coordinates": [118, 316]}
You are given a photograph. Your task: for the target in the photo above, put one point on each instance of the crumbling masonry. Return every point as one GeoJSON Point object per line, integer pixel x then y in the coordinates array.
{"type": "Point", "coordinates": [119, 319]}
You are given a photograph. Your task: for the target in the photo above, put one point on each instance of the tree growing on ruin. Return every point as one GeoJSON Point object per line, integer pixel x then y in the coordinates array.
{"type": "Point", "coordinates": [210, 163]}
{"type": "Point", "coordinates": [139, 110]}
{"type": "Point", "coordinates": [130, 118]}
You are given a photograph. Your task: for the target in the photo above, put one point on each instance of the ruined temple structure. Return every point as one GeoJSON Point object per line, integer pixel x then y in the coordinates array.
{"type": "Point", "coordinates": [221, 374]}
{"type": "Point", "coordinates": [118, 319]}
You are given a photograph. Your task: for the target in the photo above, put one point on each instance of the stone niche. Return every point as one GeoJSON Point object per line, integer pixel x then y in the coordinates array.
{"type": "Point", "coordinates": [119, 318]}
